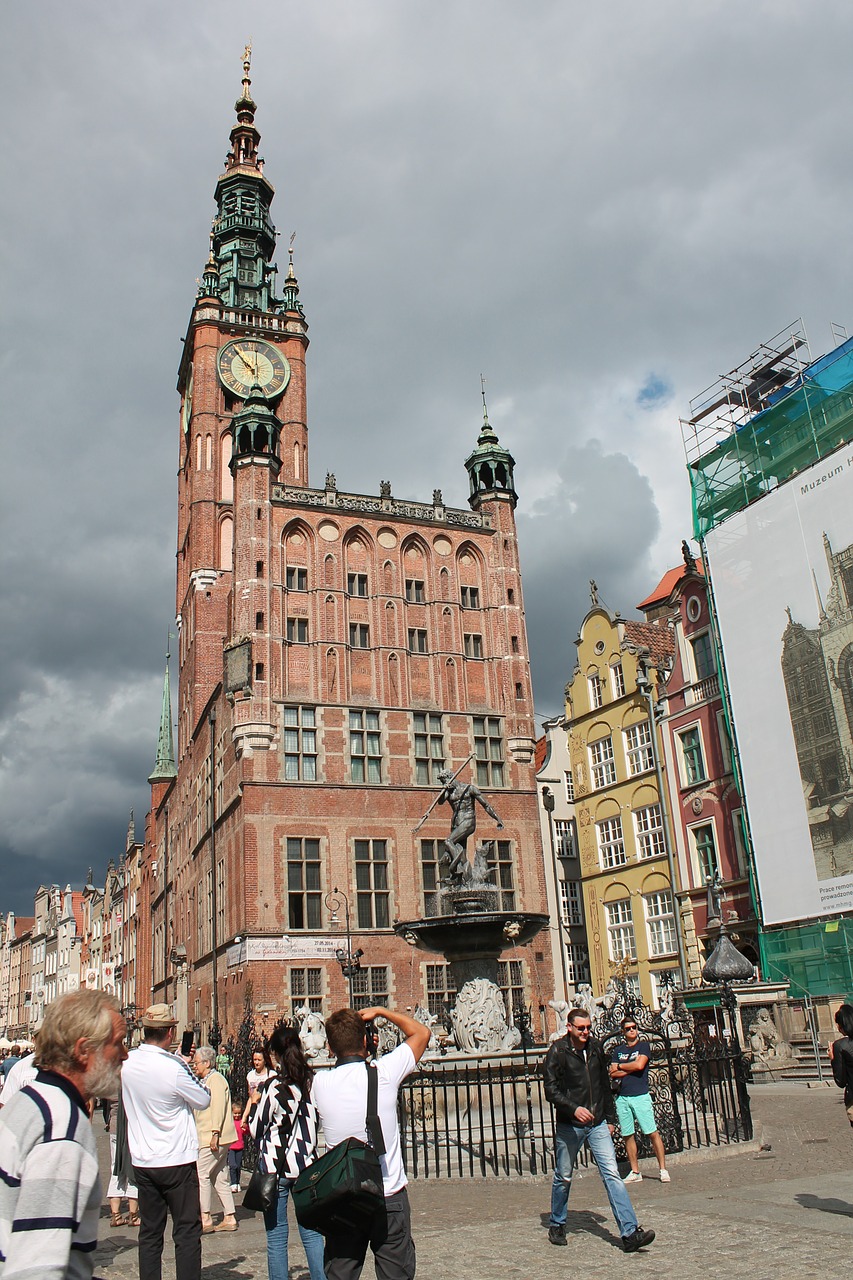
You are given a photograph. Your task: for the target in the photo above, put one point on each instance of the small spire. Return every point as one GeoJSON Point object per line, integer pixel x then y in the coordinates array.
{"type": "Point", "coordinates": [487, 434]}
{"type": "Point", "coordinates": [209, 283]}
{"type": "Point", "coordinates": [164, 766]}
{"type": "Point", "coordinates": [290, 293]}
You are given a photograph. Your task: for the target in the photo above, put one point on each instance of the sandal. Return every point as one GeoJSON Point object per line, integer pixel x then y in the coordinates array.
{"type": "Point", "coordinates": [134, 1220]}
{"type": "Point", "coordinates": [118, 1220]}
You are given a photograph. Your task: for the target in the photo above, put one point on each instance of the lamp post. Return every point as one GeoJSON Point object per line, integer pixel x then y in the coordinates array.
{"type": "Point", "coordinates": [644, 688]}
{"type": "Point", "coordinates": [349, 960]}
{"type": "Point", "coordinates": [548, 802]}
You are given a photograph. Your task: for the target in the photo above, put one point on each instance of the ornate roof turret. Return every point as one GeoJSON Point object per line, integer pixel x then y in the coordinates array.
{"type": "Point", "coordinates": [243, 231]}
{"type": "Point", "coordinates": [164, 766]}
{"type": "Point", "coordinates": [290, 293]}
{"type": "Point", "coordinates": [256, 432]}
{"type": "Point", "coordinates": [490, 466]}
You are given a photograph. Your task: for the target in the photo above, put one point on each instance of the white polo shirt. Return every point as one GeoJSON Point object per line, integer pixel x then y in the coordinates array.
{"type": "Point", "coordinates": [340, 1096]}
{"type": "Point", "coordinates": [159, 1093]}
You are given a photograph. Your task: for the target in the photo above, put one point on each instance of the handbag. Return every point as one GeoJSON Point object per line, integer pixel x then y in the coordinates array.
{"type": "Point", "coordinates": [344, 1188]}
{"type": "Point", "coordinates": [261, 1193]}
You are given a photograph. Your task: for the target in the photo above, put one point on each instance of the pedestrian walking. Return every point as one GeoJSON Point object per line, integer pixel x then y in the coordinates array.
{"type": "Point", "coordinates": [235, 1151]}
{"type": "Point", "coordinates": [341, 1100]}
{"type": "Point", "coordinates": [841, 1056]}
{"type": "Point", "coordinates": [260, 1070]}
{"type": "Point", "coordinates": [629, 1070]}
{"type": "Point", "coordinates": [283, 1122]}
{"type": "Point", "coordinates": [216, 1132]}
{"type": "Point", "coordinates": [577, 1084]}
{"type": "Point", "coordinates": [50, 1188]}
{"type": "Point", "coordinates": [160, 1092]}
{"type": "Point", "coordinates": [121, 1186]}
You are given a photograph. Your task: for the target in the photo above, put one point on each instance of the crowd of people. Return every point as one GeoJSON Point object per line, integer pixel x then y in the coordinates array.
{"type": "Point", "coordinates": [176, 1136]}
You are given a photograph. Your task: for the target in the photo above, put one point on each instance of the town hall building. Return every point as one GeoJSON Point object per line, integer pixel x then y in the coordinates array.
{"type": "Point", "coordinates": [336, 650]}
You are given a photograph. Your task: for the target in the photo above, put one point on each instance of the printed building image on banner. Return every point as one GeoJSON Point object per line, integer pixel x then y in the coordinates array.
{"type": "Point", "coordinates": [782, 575]}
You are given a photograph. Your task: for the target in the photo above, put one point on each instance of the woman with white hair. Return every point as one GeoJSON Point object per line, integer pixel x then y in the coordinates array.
{"type": "Point", "coordinates": [216, 1132]}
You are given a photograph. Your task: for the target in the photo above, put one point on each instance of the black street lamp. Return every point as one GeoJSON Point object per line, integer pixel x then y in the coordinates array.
{"type": "Point", "coordinates": [349, 960]}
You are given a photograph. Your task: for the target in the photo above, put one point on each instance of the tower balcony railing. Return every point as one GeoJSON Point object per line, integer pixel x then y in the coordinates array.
{"type": "Point", "coordinates": [704, 690]}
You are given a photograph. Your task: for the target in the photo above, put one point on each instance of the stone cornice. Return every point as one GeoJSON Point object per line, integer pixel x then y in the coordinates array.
{"type": "Point", "coordinates": [389, 508]}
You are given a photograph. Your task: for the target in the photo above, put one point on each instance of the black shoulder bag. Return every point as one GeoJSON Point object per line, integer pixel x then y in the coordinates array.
{"type": "Point", "coordinates": [344, 1187]}
{"type": "Point", "coordinates": [261, 1193]}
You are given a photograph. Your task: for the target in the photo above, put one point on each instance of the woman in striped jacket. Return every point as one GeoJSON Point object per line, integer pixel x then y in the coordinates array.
{"type": "Point", "coordinates": [283, 1123]}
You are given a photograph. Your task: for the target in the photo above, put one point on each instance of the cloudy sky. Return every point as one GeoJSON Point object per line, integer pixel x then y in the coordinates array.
{"type": "Point", "coordinates": [601, 207]}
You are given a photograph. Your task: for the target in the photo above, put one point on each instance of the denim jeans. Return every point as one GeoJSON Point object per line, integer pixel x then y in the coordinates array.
{"type": "Point", "coordinates": [275, 1221]}
{"type": "Point", "coordinates": [568, 1140]}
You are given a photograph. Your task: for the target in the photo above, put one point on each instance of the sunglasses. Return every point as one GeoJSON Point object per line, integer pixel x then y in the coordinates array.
{"type": "Point", "coordinates": [630, 1026]}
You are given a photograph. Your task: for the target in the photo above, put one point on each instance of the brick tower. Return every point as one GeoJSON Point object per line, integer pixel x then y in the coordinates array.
{"type": "Point", "coordinates": [336, 651]}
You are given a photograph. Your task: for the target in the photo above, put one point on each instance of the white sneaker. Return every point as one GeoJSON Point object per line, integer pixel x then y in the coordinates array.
{"type": "Point", "coordinates": [664, 1176]}
{"type": "Point", "coordinates": [633, 1177]}
{"type": "Point", "coordinates": [235, 1186]}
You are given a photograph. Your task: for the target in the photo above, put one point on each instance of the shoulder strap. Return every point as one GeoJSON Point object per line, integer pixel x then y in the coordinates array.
{"type": "Point", "coordinates": [373, 1124]}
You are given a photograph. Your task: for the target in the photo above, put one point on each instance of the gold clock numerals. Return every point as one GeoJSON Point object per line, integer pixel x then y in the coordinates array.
{"type": "Point", "coordinates": [248, 362]}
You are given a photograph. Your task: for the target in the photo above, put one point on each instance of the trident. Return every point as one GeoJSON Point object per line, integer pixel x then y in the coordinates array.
{"type": "Point", "coordinates": [416, 829]}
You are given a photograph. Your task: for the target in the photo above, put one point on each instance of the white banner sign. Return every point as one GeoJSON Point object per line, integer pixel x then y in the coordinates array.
{"type": "Point", "coordinates": [782, 575]}
{"type": "Point", "coordinates": [288, 947]}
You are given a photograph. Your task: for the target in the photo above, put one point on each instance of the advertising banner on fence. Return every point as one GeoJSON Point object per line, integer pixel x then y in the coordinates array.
{"type": "Point", "coordinates": [782, 576]}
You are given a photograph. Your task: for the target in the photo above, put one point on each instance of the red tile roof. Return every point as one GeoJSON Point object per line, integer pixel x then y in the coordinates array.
{"type": "Point", "coordinates": [656, 637]}
{"type": "Point", "coordinates": [667, 585]}
{"type": "Point", "coordinates": [539, 753]}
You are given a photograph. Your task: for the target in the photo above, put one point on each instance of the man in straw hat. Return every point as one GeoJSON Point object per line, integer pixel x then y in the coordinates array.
{"type": "Point", "coordinates": [50, 1190]}
{"type": "Point", "coordinates": [160, 1093]}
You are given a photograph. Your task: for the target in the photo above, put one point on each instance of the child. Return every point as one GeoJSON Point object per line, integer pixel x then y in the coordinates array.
{"type": "Point", "coordinates": [235, 1151]}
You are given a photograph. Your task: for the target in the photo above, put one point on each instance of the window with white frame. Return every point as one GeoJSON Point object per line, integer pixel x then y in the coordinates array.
{"type": "Point", "coordinates": [691, 756]}
{"type": "Point", "coordinates": [596, 691]}
{"type": "Point", "coordinates": [571, 903]}
{"type": "Point", "coordinates": [570, 786]}
{"type": "Point", "coordinates": [602, 763]}
{"type": "Point", "coordinates": [648, 826]}
{"type": "Point", "coordinates": [564, 837]}
{"type": "Point", "coordinates": [662, 979]}
{"type": "Point", "coordinates": [617, 680]}
{"type": "Point", "coordinates": [577, 963]}
{"type": "Point", "coordinates": [300, 744]}
{"type": "Point", "coordinates": [660, 923]}
{"type": "Point", "coordinates": [639, 748]}
{"type": "Point", "coordinates": [705, 856]}
{"type": "Point", "coordinates": [611, 842]}
{"type": "Point", "coordinates": [365, 746]}
{"type": "Point", "coordinates": [429, 746]}
{"type": "Point", "coordinates": [621, 942]}
{"type": "Point", "coordinates": [702, 648]}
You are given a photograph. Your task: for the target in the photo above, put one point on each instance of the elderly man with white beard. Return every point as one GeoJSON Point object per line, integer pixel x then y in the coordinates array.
{"type": "Point", "coordinates": [50, 1189]}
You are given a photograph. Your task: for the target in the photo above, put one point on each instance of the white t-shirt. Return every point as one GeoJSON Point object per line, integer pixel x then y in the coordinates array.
{"type": "Point", "coordinates": [256, 1078]}
{"type": "Point", "coordinates": [340, 1096]}
{"type": "Point", "coordinates": [159, 1092]}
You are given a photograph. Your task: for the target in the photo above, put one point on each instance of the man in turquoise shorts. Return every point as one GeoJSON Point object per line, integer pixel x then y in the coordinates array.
{"type": "Point", "coordinates": [630, 1066]}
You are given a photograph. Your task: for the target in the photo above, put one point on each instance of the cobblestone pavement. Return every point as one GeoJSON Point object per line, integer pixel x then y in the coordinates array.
{"type": "Point", "coordinates": [782, 1212]}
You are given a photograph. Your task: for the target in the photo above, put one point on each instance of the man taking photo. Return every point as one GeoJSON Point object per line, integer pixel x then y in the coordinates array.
{"type": "Point", "coordinates": [340, 1097]}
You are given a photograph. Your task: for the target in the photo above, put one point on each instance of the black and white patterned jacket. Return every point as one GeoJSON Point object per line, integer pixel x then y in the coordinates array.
{"type": "Point", "coordinates": [282, 1105]}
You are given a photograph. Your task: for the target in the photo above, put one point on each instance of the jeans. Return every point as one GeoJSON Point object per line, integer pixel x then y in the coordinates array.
{"type": "Point", "coordinates": [568, 1140]}
{"type": "Point", "coordinates": [275, 1221]}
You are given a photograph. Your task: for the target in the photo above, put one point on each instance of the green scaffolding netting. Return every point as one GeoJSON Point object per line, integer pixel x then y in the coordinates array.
{"type": "Point", "coordinates": [815, 957]}
{"type": "Point", "coordinates": [803, 426]}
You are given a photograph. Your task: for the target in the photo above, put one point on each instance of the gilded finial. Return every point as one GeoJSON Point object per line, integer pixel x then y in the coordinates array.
{"type": "Point", "coordinates": [290, 271]}
{"type": "Point", "coordinates": [247, 59]}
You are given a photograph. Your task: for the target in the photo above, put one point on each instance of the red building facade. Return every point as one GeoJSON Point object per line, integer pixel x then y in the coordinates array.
{"type": "Point", "coordinates": [706, 808]}
{"type": "Point", "coordinates": [336, 650]}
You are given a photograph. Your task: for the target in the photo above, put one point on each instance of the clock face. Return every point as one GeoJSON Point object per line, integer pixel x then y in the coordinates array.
{"type": "Point", "coordinates": [247, 361]}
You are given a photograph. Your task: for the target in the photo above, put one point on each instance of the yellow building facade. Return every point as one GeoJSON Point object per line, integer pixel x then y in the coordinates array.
{"type": "Point", "coordinates": [629, 902]}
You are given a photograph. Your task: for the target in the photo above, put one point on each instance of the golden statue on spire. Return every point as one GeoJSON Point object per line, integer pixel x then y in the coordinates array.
{"type": "Point", "coordinates": [247, 59]}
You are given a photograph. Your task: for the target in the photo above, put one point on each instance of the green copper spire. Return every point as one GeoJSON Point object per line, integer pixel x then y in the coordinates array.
{"type": "Point", "coordinates": [243, 232]}
{"type": "Point", "coordinates": [490, 466]}
{"type": "Point", "coordinates": [256, 432]}
{"type": "Point", "coordinates": [164, 766]}
{"type": "Point", "coordinates": [290, 300]}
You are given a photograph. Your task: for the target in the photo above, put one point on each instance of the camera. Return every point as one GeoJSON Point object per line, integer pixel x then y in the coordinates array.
{"type": "Point", "coordinates": [371, 1038]}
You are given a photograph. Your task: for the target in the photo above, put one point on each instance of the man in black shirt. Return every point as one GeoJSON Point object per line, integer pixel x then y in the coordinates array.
{"type": "Point", "coordinates": [577, 1084]}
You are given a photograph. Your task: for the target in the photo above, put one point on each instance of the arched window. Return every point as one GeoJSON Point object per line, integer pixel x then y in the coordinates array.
{"type": "Point", "coordinates": [226, 480]}
{"type": "Point", "coordinates": [226, 543]}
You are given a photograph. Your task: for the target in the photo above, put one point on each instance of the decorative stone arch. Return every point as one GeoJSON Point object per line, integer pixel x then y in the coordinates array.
{"type": "Point", "coordinates": [414, 547]}
{"type": "Point", "coordinates": [607, 807]}
{"type": "Point", "coordinates": [329, 568]}
{"type": "Point", "coordinates": [643, 795]}
{"type": "Point", "coordinates": [632, 716]}
{"type": "Point", "coordinates": [451, 680]}
{"type": "Point", "coordinates": [615, 890]}
{"type": "Point", "coordinates": [656, 882]}
{"type": "Point", "coordinates": [469, 560]}
{"type": "Point", "coordinates": [389, 575]}
{"type": "Point", "coordinates": [444, 583]}
{"type": "Point", "coordinates": [391, 623]}
{"type": "Point", "coordinates": [358, 544]}
{"type": "Point", "coordinates": [297, 545]}
{"type": "Point", "coordinates": [595, 732]}
{"type": "Point", "coordinates": [226, 542]}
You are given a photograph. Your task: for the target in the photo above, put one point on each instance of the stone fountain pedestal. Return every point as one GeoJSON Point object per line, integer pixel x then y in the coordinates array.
{"type": "Point", "coordinates": [465, 924]}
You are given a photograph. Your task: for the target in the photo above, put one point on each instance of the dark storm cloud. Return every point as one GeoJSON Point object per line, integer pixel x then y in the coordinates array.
{"type": "Point", "coordinates": [598, 207]}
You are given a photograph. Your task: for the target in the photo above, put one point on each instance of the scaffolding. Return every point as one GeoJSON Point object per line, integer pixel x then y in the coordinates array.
{"type": "Point", "coordinates": [773, 415]}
